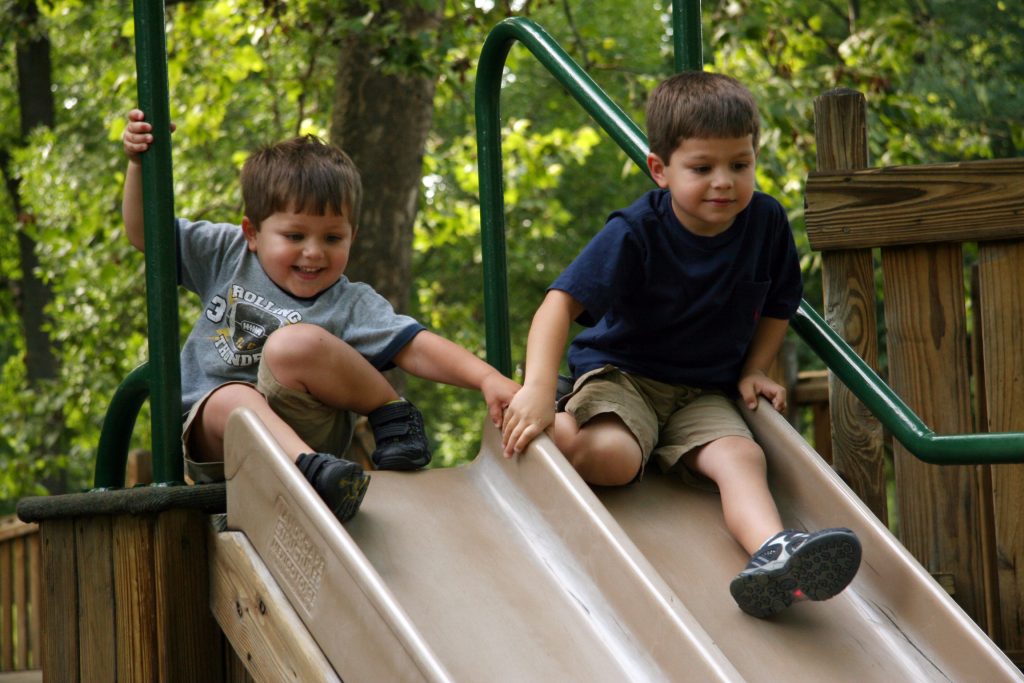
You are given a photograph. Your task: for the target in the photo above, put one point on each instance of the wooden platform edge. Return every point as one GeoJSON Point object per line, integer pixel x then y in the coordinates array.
{"type": "Point", "coordinates": [256, 617]}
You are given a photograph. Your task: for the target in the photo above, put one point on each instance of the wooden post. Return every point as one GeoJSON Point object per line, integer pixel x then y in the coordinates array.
{"type": "Point", "coordinates": [127, 585]}
{"type": "Point", "coordinates": [1000, 265]}
{"type": "Point", "coordinates": [939, 510]}
{"type": "Point", "coordinates": [848, 284]}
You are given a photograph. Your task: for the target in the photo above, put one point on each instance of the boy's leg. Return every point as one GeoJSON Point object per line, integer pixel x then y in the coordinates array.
{"type": "Point", "coordinates": [603, 451]}
{"type": "Point", "coordinates": [339, 482]}
{"type": "Point", "coordinates": [737, 466]}
{"type": "Point", "coordinates": [785, 565]}
{"type": "Point", "coordinates": [306, 358]}
{"type": "Point", "coordinates": [311, 359]}
{"type": "Point", "coordinates": [607, 429]}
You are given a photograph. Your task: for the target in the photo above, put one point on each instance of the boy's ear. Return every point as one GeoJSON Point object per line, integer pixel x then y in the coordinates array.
{"type": "Point", "coordinates": [250, 231]}
{"type": "Point", "coordinates": [657, 168]}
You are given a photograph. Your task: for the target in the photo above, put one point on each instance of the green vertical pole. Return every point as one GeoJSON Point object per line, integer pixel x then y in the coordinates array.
{"type": "Point", "coordinates": [686, 35]}
{"type": "Point", "coordinates": [161, 252]}
{"type": "Point", "coordinates": [488, 136]}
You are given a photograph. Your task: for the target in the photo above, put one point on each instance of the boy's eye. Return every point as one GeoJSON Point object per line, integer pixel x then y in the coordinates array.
{"type": "Point", "coordinates": [334, 239]}
{"type": "Point", "coordinates": [741, 165]}
{"type": "Point", "coordinates": [701, 169]}
{"type": "Point", "coordinates": [293, 237]}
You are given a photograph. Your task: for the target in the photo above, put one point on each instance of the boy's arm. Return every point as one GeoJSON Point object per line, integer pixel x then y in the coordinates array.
{"type": "Point", "coordinates": [533, 408]}
{"type": "Point", "coordinates": [136, 138]}
{"type": "Point", "coordinates": [768, 338]}
{"type": "Point", "coordinates": [435, 358]}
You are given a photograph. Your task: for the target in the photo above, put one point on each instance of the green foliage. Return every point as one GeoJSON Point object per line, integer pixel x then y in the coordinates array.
{"type": "Point", "coordinates": [941, 80]}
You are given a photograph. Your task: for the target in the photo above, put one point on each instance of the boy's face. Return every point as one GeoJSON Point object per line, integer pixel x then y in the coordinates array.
{"type": "Point", "coordinates": [710, 179]}
{"type": "Point", "coordinates": [302, 253]}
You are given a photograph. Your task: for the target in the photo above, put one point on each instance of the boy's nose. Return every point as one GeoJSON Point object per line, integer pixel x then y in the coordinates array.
{"type": "Point", "coordinates": [722, 179]}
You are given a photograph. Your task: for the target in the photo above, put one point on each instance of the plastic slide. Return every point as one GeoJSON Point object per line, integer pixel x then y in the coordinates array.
{"type": "Point", "coordinates": [515, 570]}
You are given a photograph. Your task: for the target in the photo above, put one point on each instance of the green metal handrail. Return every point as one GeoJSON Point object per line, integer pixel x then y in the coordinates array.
{"type": "Point", "coordinates": [893, 413]}
{"type": "Point", "coordinates": [865, 384]}
{"type": "Point", "coordinates": [160, 378]}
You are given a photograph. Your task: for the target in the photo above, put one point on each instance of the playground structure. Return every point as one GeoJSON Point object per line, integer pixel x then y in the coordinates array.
{"type": "Point", "coordinates": [119, 562]}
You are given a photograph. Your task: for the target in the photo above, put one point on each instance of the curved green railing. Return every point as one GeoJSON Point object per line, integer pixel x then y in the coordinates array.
{"type": "Point", "coordinates": [890, 410]}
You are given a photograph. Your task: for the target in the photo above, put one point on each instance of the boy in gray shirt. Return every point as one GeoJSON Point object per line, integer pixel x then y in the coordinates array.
{"type": "Point", "coordinates": [285, 334]}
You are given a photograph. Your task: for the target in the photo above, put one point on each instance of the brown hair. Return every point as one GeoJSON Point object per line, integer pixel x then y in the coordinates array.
{"type": "Point", "coordinates": [699, 104]}
{"type": "Point", "coordinates": [303, 174]}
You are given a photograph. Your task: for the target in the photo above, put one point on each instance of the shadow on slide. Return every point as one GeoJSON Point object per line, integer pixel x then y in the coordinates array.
{"type": "Point", "coordinates": [515, 570]}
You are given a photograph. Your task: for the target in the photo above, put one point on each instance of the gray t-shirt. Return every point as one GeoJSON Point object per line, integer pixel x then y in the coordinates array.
{"type": "Point", "coordinates": [242, 307]}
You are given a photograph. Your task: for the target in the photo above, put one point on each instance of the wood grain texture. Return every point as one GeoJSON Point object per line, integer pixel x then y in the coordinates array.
{"type": "Point", "coordinates": [18, 571]}
{"type": "Point", "coordinates": [1000, 270]}
{"type": "Point", "coordinates": [928, 367]}
{"type": "Point", "coordinates": [94, 556]}
{"type": "Point", "coordinates": [969, 201]}
{"type": "Point", "coordinates": [266, 633]}
{"type": "Point", "coordinates": [135, 617]}
{"type": "Point", "coordinates": [59, 645]}
{"type": "Point", "coordinates": [186, 631]}
{"type": "Point", "coordinates": [848, 286]}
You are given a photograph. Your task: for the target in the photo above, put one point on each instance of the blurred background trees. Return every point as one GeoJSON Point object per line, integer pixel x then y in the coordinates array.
{"type": "Point", "coordinates": [392, 81]}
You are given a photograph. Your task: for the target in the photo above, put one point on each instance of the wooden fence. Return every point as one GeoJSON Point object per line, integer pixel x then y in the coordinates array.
{"type": "Point", "coordinates": [19, 595]}
{"type": "Point", "coordinates": [954, 351]}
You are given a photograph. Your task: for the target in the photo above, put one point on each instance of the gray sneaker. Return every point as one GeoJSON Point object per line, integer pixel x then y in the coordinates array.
{"type": "Point", "coordinates": [795, 565]}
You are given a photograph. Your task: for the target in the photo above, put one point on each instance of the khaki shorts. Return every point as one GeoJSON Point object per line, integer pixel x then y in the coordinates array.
{"type": "Point", "coordinates": [325, 429]}
{"type": "Point", "coordinates": [668, 421]}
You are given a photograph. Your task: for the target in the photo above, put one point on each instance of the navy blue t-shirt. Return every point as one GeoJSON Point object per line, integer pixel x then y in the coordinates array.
{"type": "Point", "coordinates": [669, 305]}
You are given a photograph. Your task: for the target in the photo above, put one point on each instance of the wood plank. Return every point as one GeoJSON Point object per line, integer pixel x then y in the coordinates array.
{"type": "Point", "coordinates": [257, 618]}
{"type": "Point", "coordinates": [20, 604]}
{"type": "Point", "coordinates": [59, 646]}
{"type": "Point", "coordinates": [135, 608]}
{"type": "Point", "coordinates": [6, 606]}
{"type": "Point", "coordinates": [186, 631]}
{"type": "Point", "coordinates": [35, 600]}
{"type": "Point", "coordinates": [848, 287]}
{"type": "Point", "coordinates": [968, 201]}
{"type": "Point", "coordinates": [12, 527]}
{"type": "Point", "coordinates": [1000, 266]}
{"type": "Point", "coordinates": [94, 550]}
{"type": "Point", "coordinates": [989, 580]}
{"type": "Point", "coordinates": [928, 368]}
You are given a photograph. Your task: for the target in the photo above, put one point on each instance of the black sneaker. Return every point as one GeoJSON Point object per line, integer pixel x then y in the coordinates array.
{"type": "Point", "coordinates": [400, 436]}
{"type": "Point", "coordinates": [340, 483]}
{"type": "Point", "coordinates": [794, 565]}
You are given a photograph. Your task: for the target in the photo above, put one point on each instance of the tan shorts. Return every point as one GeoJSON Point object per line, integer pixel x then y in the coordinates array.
{"type": "Point", "coordinates": [325, 429]}
{"type": "Point", "coordinates": [668, 421]}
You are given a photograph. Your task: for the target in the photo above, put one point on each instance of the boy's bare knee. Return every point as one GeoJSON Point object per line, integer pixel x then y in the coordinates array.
{"type": "Point", "coordinates": [292, 343]}
{"type": "Point", "coordinates": [606, 455]}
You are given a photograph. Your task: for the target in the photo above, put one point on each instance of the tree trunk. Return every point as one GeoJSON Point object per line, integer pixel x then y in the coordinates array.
{"type": "Point", "coordinates": [382, 114]}
{"type": "Point", "coordinates": [35, 101]}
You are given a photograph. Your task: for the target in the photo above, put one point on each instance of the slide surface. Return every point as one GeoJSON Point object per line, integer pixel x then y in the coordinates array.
{"type": "Point", "coordinates": [515, 570]}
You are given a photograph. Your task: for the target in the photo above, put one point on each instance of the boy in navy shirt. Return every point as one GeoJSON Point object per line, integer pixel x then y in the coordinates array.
{"type": "Point", "coordinates": [686, 296]}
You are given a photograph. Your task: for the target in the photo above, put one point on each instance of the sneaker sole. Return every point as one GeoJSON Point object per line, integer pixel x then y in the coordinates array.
{"type": "Point", "coordinates": [818, 570]}
{"type": "Point", "coordinates": [399, 463]}
{"type": "Point", "coordinates": [352, 492]}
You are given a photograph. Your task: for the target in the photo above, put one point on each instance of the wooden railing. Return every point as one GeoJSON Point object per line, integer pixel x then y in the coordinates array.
{"type": "Point", "coordinates": [19, 595]}
{"type": "Point", "coordinates": [960, 369]}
